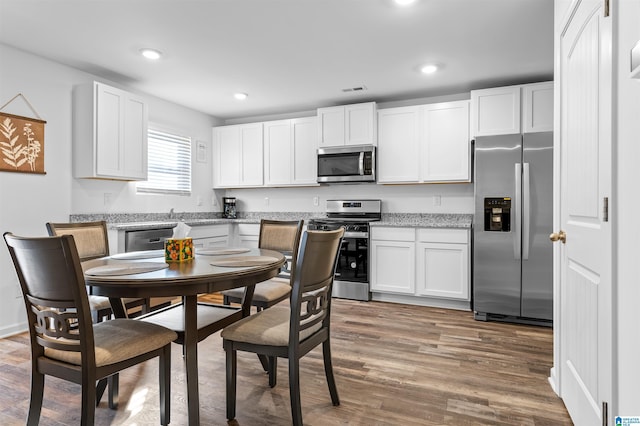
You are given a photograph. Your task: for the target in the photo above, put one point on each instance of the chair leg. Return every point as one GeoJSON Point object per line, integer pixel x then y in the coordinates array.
{"type": "Point", "coordinates": [165, 385]}
{"type": "Point", "coordinates": [294, 391]}
{"type": "Point", "coordinates": [114, 387]}
{"type": "Point", "coordinates": [35, 405]}
{"type": "Point", "coordinates": [231, 361]}
{"type": "Point", "coordinates": [88, 399]}
{"type": "Point", "coordinates": [273, 371]}
{"type": "Point", "coordinates": [264, 361]}
{"type": "Point", "coordinates": [225, 300]}
{"type": "Point", "coordinates": [328, 371]}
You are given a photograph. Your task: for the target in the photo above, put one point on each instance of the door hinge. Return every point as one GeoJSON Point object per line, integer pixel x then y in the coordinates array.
{"type": "Point", "coordinates": [606, 8]}
{"type": "Point", "coordinates": [605, 209]}
{"type": "Point", "coordinates": [605, 413]}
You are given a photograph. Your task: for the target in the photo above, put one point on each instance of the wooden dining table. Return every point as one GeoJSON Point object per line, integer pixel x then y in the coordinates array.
{"type": "Point", "coordinates": [186, 279]}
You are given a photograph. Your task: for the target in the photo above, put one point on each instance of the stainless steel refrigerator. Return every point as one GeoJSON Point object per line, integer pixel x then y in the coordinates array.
{"type": "Point", "coordinates": [512, 255]}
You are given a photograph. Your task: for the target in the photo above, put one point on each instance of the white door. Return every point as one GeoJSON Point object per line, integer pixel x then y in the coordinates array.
{"type": "Point", "coordinates": [585, 295]}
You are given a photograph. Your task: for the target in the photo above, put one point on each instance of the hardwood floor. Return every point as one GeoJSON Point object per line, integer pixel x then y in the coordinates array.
{"type": "Point", "coordinates": [394, 365]}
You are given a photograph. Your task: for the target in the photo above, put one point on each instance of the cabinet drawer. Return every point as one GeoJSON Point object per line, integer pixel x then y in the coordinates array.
{"type": "Point", "coordinates": [204, 231]}
{"type": "Point", "coordinates": [248, 229]}
{"type": "Point", "coordinates": [393, 234]}
{"type": "Point", "coordinates": [447, 235]}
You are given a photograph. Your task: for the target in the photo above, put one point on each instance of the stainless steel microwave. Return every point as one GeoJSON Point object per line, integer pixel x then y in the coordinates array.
{"type": "Point", "coordinates": [347, 164]}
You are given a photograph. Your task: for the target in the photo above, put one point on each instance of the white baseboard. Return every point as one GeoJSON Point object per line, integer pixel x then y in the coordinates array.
{"type": "Point", "coordinates": [12, 329]}
{"type": "Point", "coordinates": [553, 381]}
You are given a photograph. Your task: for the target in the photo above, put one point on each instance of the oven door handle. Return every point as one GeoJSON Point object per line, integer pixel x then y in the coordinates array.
{"type": "Point", "coordinates": [351, 234]}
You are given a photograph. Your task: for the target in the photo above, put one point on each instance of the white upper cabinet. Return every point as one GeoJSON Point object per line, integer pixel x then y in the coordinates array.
{"type": "Point", "coordinates": [290, 152]}
{"type": "Point", "coordinates": [446, 151]}
{"type": "Point", "coordinates": [507, 110]}
{"type": "Point", "coordinates": [238, 159]}
{"type": "Point", "coordinates": [109, 133]}
{"type": "Point", "coordinates": [423, 144]}
{"type": "Point", "coordinates": [495, 111]}
{"type": "Point", "coordinates": [353, 124]}
{"type": "Point", "coordinates": [398, 145]}
{"type": "Point", "coordinates": [305, 144]}
{"type": "Point", "coordinates": [537, 107]}
{"type": "Point", "coordinates": [277, 153]}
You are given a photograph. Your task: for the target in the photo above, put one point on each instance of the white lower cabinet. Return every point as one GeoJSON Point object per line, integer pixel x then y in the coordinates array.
{"type": "Point", "coordinates": [247, 235]}
{"type": "Point", "coordinates": [443, 263]}
{"type": "Point", "coordinates": [423, 263]}
{"type": "Point", "coordinates": [393, 260]}
{"type": "Point", "coordinates": [210, 236]}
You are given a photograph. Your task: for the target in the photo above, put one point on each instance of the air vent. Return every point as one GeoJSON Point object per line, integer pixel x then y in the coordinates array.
{"type": "Point", "coordinates": [354, 89]}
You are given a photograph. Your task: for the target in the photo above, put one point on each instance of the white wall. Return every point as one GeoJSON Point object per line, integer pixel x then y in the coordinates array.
{"type": "Point", "coordinates": [28, 201]}
{"type": "Point", "coordinates": [626, 205]}
{"type": "Point", "coordinates": [454, 198]}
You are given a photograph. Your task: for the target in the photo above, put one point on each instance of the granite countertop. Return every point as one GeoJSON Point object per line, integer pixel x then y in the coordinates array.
{"type": "Point", "coordinates": [425, 220]}
{"type": "Point", "coordinates": [142, 221]}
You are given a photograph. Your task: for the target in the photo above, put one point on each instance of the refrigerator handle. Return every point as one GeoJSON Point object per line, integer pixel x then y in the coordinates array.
{"type": "Point", "coordinates": [518, 212]}
{"type": "Point", "coordinates": [526, 211]}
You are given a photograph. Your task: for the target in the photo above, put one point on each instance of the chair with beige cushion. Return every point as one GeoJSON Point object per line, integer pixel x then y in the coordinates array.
{"type": "Point", "coordinates": [64, 341]}
{"type": "Point", "coordinates": [294, 330]}
{"type": "Point", "coordinates": [92, 241]}
{"type": "Point", "coordinates": [282, 236]}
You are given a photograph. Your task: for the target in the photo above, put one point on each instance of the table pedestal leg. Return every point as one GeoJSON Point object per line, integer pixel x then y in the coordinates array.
{"type": "Point", "coordinates": [190, 305]}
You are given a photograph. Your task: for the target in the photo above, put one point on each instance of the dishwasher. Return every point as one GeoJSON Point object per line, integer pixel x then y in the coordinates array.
{"type": "Point", "coordinates": [147, 239]}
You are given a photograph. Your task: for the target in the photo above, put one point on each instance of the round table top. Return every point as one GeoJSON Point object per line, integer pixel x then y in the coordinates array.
{"type": "Point", "coordinates": [183, 278]}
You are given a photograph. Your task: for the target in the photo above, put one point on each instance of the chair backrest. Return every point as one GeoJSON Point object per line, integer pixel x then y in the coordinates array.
{"type": "Point", "coordinates": [312, 281]}
{"type": "Point", "coordinates": [55, 296]}
{"type": "Point", "coordinates": [282, 236]}
{"type": "Point", "coordinates": [91, 238]}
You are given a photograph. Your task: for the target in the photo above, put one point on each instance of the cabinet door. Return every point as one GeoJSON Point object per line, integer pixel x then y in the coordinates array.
{"type": "Point", "coordinates": [135, 138]}
{"type": "Point", "coordinates": [445, 142]}
{"type": "Point", "coordinates": [331, 126]}
{"type": "Point", "coordinates": [537, 107]}
{"type": "Point", "coordinates": [228, 150]}
{"type": "Point", "coordinates": [392, 266]}
{"type": "Point", "coordinates": [305, 145]}
{"type": "Point", "coordinates": [398, 150]}
{"type": "Point", "coordinates": [252, 155]}
{"type": "Point", "coordinates": [360, 124]}
{"type": "Point", "coordinates": [495, 111]}
{"type": "Point", "coordinates": [443, 270]}
{"type": "Point", "coordinates": [277, 152]}
{"type": "Point", "coordinates": [109, 118]}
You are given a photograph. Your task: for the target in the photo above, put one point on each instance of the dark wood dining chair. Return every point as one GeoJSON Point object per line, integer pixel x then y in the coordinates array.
{"type": "Point", "coordinates": [211, 317]}
{"type": "Point", "coordinates": [92, 241]}
{"type": "Point", "coordinates": [64, 341]}
{"type": "Point", "coordinates": [278, 235]}
{"type": "Point", "coordinates": [292, 331]}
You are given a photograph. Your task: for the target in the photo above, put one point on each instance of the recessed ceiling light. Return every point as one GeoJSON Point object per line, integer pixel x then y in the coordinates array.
{"type": "Point", "coordinates": [240, 96]}
{"type": "Point", "coordinates": [404, 2]}
{"type": "Point", "coordinates": [152, 54]}
{"type": "Point", "coordinates": [429, 69]}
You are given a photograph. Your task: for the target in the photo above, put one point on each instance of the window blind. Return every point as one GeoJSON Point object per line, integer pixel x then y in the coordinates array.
{"type": "Point", "coordinates": [169, 164]}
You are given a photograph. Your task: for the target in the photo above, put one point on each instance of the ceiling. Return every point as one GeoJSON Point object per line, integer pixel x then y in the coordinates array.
{"type": "Point", "coordinates": [289, 55]}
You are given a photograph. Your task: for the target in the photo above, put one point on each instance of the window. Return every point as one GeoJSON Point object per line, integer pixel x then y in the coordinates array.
{"type": "Point", "coordinates": [169, 164]}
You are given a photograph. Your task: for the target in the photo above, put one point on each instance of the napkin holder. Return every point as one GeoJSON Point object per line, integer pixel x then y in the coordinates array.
{"type": "Point", "coordinates": [178, 249]}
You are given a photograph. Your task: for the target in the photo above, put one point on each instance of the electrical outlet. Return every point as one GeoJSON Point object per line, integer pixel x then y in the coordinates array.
{"type": "Point", "coordinates": [214, 201]}
{"type": "Point", "coordinates": [266, 201]}
{"type": "Point", "coordinates": [316, 201]}
{"type": "Point", "coordinates": [199, 200]}
{"type": "Point", "coordinates": [437, 200]}
{"type": "Point", "coordinates": [107, 198]}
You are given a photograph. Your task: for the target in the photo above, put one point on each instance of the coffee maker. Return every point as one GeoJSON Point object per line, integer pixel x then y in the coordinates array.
{"type": "Point", "coordinates": [229, 207]}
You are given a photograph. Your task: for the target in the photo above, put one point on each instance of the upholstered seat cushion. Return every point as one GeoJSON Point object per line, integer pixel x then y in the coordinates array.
{"type": "Point", "coordinates": [268, 327]}
{"type": "Point", "coordinates": [265, 291]}
{"type": "Point", "coordinates": [119, 339]}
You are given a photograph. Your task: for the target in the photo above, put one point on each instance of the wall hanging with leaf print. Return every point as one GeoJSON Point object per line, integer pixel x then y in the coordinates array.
{"type": "Point", "coordinates": [21, 141]}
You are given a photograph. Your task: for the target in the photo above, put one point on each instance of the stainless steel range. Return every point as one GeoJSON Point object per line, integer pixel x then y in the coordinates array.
{"type": "Point", "coordinates": [352, 272]}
